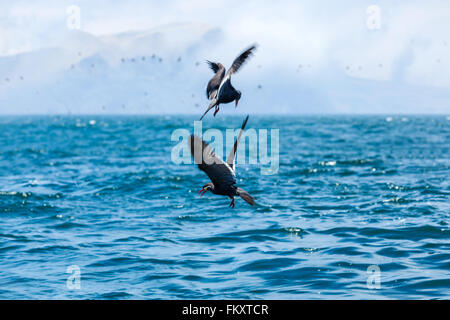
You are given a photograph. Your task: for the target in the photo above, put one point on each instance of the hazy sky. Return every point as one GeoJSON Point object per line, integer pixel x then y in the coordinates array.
{"type": "Point", "coordinates": [403, 43]}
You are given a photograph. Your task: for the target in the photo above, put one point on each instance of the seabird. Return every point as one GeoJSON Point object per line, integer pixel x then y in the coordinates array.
{"type": "Point", "coordinates": [222, 174]}
{"type": "Point", "coordinates": [219, 89]}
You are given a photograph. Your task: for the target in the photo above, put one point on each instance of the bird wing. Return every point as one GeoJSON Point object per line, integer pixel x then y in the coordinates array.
{"type": "Point", "coordinates": [241, 59]}
{"type": "Point", "coordinates": [211, 105]}
{"type": "Point", "coordinates": [238, 63]}
{"type": "Point", "coordinates": [214, 65]}
{"type": "Point", "coordinates": [232, 155]}
{"type": "Point", "coordinates": [218, 171]}
{"type": "Point", "coordinates": [214, 83]}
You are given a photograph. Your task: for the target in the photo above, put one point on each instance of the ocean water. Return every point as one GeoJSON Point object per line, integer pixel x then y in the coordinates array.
{"type": "Point", "coordinates": [100, 194]}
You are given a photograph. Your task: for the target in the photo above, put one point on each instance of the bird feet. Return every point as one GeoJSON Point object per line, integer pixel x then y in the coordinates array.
{"type": "Point", "coordinates": [217, 110]}
{"type": "Point", "coordinates": [232, 203]}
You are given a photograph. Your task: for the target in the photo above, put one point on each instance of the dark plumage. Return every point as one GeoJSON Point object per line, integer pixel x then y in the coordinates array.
{"type": "Point", "coordinates": [214, 83]}
{"type": "Point", "coordinates": [219, 89]}
{"type": "Point", "coordinates": [222, 174]}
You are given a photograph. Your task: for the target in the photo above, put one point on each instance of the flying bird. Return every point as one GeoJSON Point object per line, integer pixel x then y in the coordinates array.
{"type": "Point", "coordinates": [219, 89]}
{"type": "Point", "coordinates": [222, 174]}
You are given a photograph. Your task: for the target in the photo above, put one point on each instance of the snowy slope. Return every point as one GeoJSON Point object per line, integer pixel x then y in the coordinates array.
{"type": "Point", "coordinates": [163, 70]}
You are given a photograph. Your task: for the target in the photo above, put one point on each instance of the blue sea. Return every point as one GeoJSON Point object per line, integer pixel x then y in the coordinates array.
{"type": "Point", "coordinates": [359, 209]}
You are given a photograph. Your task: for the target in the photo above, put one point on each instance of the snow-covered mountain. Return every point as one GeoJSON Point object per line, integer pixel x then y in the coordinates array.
{"type": "Point", "coordinates": [129, 72]}
{"type": "Point", "coordinates": [162, 70]}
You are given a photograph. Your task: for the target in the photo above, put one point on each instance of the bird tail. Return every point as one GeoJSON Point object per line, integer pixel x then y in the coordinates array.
{"type": "Point", "coordinates": [211, 105]}
{"type": "Point", "coordinates": [246, 196]}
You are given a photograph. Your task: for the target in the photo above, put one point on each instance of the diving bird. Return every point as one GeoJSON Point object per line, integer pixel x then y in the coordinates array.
{"type": "Point", "coordinates": [222, 174]}
{"type": "Point", "coordinates": [219, 89]}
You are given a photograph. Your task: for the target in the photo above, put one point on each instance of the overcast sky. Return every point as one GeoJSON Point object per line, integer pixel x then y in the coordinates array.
{"type": "Point", "coordinates": [405, 42]}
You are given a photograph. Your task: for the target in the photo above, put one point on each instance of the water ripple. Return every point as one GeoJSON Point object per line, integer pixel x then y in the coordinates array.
{"type": "Point", "coordinates": [102, 194]}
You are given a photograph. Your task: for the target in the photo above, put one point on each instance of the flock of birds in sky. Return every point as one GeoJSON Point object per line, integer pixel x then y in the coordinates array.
{"type": "Point", "coordinates": [222, 174]}
{"type": "Point", "coordinates": [10, 80]}
{"type": "Point", "coordinates": [153, 57]}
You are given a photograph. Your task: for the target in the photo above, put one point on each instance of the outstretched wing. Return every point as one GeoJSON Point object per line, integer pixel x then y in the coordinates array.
{"type": "Point", "coordinates": [218, 171]}
{"type": "Point", "coordinates": [214, 83]}
{"type": "Point", "coordinates": [241, 59]}
{"type": "Point", "coordinates": [232, 155]}
{"type": "Point", "coordinates": [238, 63]}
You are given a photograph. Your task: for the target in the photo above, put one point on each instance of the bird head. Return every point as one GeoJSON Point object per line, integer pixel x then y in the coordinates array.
{"type": "Point", "coordinates": [237, 99]}
{"type": "Point", "coordinates": [206, 187]}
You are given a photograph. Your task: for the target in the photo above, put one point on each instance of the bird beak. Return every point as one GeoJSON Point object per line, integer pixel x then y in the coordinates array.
{"type": "Point", "coordinates": [237, 101]}
{"type": "Point", "coordinates": [202, 191]}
